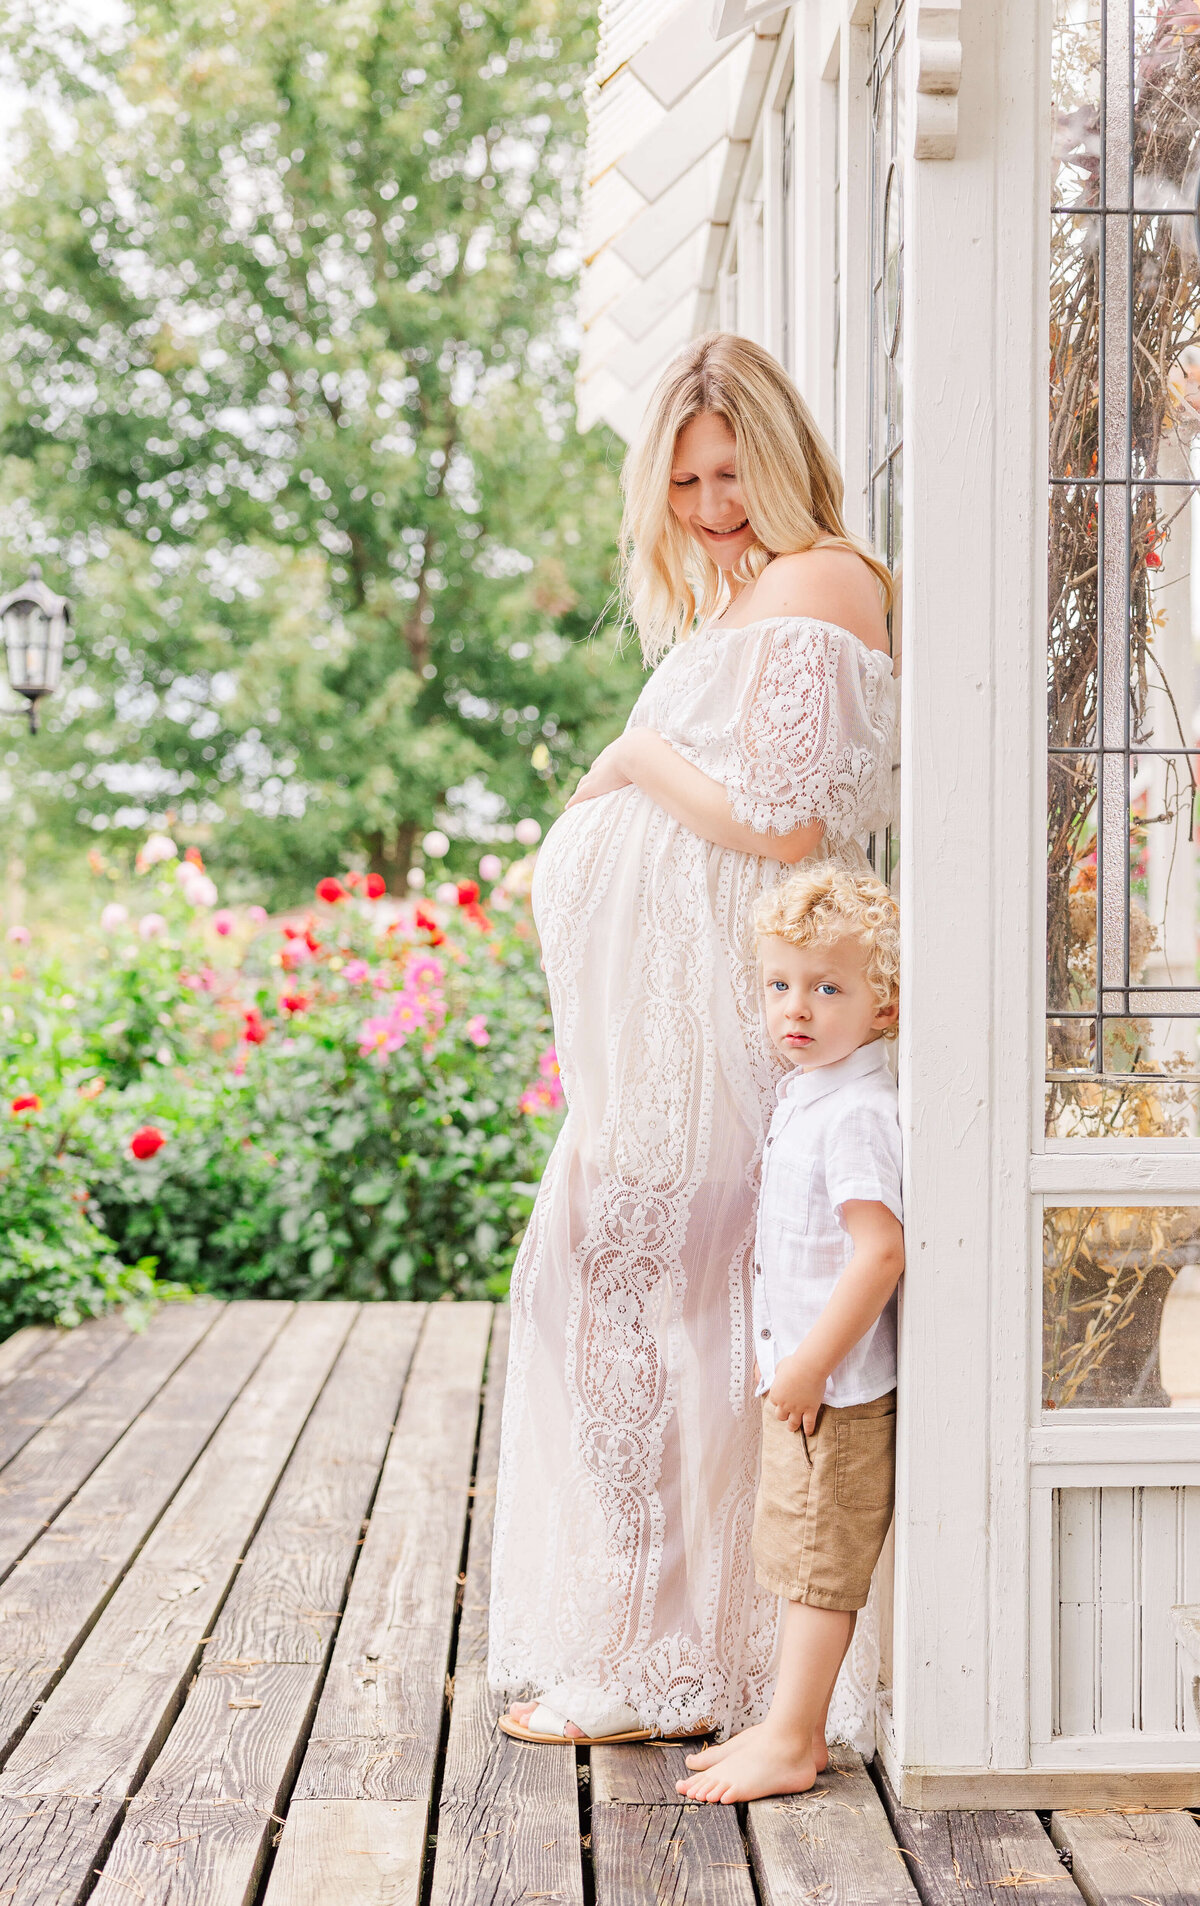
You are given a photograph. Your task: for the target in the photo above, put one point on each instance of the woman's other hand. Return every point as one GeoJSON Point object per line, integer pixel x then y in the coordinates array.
{"type": "Point", "coordinates": [604, 776]}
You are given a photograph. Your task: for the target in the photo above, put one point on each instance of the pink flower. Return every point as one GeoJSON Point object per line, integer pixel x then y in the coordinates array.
{"type": "Point", "coordinates": [356, 971]}
{"type": "Point", "coordinates": [224, 922]}
{"type": "Point", "coordinates": [491, 867]}
{"type": "Point", "coordinates": [256, 917]}
{"type": "Point", "coordinates": [423, 972]}
{"type": "Point", "coordinates": [20, 936]}
{"type": "Point", "coordinates": [542, 1098]}
{"type": "Point", "coordinates": [151, 925]}
{"type": "Point", "coordinates": [476, 1030]}
{"type": "Point", "coordinates": [239, 1065]}
{"type": "Point", "coordinates": [548, 1066]}
{"type": "Point", "coordinates": [157, 847]}
{"type": "Point", "coordinates": [528, 832]}
{"type": "Point", "coordinates": [113, 916]}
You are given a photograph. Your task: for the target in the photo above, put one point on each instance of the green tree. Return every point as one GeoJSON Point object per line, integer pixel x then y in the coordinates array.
{"type": "Point", "coordinates": [285, 405]}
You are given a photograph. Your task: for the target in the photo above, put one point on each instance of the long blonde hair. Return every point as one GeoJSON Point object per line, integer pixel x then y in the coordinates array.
{"type": "Point", "coordinates": [787, 474]}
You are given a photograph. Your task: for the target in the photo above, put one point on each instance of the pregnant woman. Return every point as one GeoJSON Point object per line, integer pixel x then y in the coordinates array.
{"type": "Point", "coordinates": [623, 1597]}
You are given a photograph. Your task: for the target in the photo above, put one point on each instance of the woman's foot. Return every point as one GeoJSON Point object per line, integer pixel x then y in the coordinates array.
{"type": "Point", "coordinates": [713, 1756]}
{"type": "Point", "coordinates": [763, 1763]}
{"type": "Point", "coordinates": [521, 1712]}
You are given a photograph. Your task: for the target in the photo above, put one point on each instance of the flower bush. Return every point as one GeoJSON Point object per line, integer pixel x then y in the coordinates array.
{"type": "Point", "coordinates": [355, 1100]}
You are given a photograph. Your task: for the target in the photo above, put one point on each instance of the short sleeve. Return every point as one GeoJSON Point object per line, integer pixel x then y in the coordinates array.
{"type": "Point", "coordinates": [813, 733]}
{"type": "Point", "coordinates": [863, 1158]}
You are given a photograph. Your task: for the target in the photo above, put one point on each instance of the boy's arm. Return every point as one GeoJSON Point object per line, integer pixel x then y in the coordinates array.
{"type": "Point", "coordinates": [858, 1300]}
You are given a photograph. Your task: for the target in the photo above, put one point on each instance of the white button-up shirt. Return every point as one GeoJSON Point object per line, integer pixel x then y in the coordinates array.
{"type": "Point", "coordinates": [834, 1136]}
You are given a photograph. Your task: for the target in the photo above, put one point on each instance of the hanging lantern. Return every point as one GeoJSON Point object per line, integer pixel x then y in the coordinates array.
{"type": "Point", "coordinates": [34, 622]}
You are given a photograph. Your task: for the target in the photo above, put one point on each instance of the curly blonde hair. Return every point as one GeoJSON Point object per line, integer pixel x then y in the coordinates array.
{"type": "Point", "coordinates": [787, 473]}
{"type": "Point", "coordinates": [824, 904]}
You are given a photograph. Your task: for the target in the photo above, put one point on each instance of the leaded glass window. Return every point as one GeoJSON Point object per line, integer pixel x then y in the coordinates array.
{"type": "Point", "coordinates": [1123, 992]}
{"type": "Point", "coordinates": [884, 499]}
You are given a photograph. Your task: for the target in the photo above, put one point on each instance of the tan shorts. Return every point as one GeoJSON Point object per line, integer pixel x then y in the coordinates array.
{"type": "Point", "coordinates": [825, 1502]}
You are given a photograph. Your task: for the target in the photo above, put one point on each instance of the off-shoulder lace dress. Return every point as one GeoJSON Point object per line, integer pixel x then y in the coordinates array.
{"type": "Point", "coordinates": [630, 1439]}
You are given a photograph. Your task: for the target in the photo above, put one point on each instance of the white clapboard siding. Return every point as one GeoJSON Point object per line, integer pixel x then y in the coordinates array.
{"type": "Point", "coordinates": [1124, 1558]}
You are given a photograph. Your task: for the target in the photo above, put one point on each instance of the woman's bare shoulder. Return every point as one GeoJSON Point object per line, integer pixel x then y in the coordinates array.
{"type": "Point", "coordinates": [832, 585]}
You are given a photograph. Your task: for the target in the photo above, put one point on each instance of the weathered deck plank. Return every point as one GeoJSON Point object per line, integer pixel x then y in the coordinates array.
{"type": "Point", "coordinates": [18, 1351]}
{"type": "Point", "coordinates": [50, 1599]}
{"type": "Point", "coordinates": [61, 1456]}
{"type": "Point", "coordinates": [1125, 1859]}
{"type": "Point", "coordinates": [957, 1858]}
{"type": "Point", "coordinates": [508, 1815]}
{"type": "Point", "coordinates": [833, 1844]}
{"type": "Point", "coordinates": [67, 1365]}
{"type": "Point", "coordinates": [65, 1786]}
{"type": "Point", "coordinates": [197, 1832]}
{"type": "Point", "coordinates": [378, 1725]}
{"type": "Point", "coordinates": [649, 1846]}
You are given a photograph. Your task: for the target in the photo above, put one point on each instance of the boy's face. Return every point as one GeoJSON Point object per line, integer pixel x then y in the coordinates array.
{"type": "Point", "coordinates": [819, 1005]}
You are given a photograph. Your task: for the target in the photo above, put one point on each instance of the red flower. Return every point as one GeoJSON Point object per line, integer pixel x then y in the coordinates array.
{"type": "Point", "coordinates": [254, 1032]}
{"type": "Point", "coordinates": [311, 941]}
{"type": "Point", "coordinates": [294, 1002]}
{"type": "Point", "coordinates": [468, 893]}
{"type": "Point", "coordinates": [354, 881]}
{"type": "Point", "coordinates": [292, 933]}
{"type": "Point", "coordinates": [197, 859]}
{"type": "Point", "coordinates": [1153, 560]}
{"type": "Point", "coordinates": [28, 1102]}
{"type": "Point", "coordinates": [476, 915]}
{"type": "Point", "coordinates": [147, 1141]}
{"type": "Point", "coordinates": [427, 924]}
{"type": "Point", "coordinates": [376, 886]}
{"type": "Point", "coordinates": [330, 890]}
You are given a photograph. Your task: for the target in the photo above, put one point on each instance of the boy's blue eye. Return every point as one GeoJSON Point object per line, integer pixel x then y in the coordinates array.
{"type": "Point", "coordinates": [827, 986]}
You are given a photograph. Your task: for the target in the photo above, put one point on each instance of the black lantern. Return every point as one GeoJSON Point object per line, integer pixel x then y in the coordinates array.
{"type": "Point", "coordinates": [34, 622]}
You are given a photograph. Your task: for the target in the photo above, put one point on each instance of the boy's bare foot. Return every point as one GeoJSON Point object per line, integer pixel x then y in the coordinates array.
{"type": "Point", "coordinates": [713, 1756]}
{"type": "Point", "coordinates": [766, 1764]}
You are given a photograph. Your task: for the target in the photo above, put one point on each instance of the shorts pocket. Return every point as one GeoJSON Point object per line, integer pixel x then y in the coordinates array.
{"type": "Point", "coordinates": [865, 1470]}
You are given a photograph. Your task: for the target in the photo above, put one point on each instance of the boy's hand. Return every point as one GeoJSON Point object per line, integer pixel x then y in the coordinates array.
{"type": "Point", "coordinates": [797, 1392]}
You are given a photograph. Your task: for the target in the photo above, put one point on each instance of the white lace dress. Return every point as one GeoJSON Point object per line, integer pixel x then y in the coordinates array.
{"type": "Point", "coordinates": [630, 1437]}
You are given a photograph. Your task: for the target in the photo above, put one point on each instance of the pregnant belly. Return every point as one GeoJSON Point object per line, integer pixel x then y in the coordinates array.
{"type": "Point", "coordinates": [577, 853]}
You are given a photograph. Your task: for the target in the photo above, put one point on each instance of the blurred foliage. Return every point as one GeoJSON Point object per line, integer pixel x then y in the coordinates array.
{"type": "Point", "coordinates": [286, 408]}
{"type": "Point", "coordinates": [355, 1102]}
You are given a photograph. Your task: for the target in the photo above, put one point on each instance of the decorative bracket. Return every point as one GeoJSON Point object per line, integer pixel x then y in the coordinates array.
{"type": "Point", "coordinates": [939, 71]}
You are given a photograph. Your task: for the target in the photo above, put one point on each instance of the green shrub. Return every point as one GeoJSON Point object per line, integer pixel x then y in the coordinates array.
{"type": "Point", "coordinates": [357, 1102]}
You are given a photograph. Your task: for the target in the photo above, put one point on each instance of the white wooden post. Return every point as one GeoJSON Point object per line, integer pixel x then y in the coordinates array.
{"type": "Point", "coordinates": [974, 544]}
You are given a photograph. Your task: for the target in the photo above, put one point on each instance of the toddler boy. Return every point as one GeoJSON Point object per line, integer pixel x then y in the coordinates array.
{"type": "Point", "coordinates": [829, 1253]}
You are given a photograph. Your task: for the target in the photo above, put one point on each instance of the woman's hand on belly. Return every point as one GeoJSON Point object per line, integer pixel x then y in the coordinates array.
{"type": "Point", "coordinates": [604, 776]}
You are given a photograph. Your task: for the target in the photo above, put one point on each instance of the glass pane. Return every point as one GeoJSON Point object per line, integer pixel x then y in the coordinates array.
{"type": "Point", "coordinates": [1076, 94]}
{"type": "Point", "coordinates": [1121, 1307]}
{"type": "Point", "coordinates": [1074, 345]}
{"type": "Point", "coordinates": [1123, 675]}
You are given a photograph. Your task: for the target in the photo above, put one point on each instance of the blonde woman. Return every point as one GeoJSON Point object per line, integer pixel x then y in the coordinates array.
{"type": "Point", "coordinates": [623, 1597]}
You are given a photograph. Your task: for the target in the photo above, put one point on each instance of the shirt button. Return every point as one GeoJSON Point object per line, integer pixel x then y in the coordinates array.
{"type": "Point", "coordinates": [764, 1333]}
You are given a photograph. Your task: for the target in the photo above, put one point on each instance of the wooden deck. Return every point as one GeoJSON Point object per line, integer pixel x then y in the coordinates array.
{"type": "Point", "coordinates": [243, 1611]}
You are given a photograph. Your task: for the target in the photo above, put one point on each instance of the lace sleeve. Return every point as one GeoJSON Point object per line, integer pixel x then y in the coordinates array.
{"type": "Point", "coordinates": [814, 733]}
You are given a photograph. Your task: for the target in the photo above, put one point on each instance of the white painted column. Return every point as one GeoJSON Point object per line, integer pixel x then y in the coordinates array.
{"type": "Point", "coordinates": [976, 253]}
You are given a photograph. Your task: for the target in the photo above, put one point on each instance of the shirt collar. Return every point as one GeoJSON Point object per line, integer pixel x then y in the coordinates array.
{"type": "Point", "coordinates": [798, 1087]}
